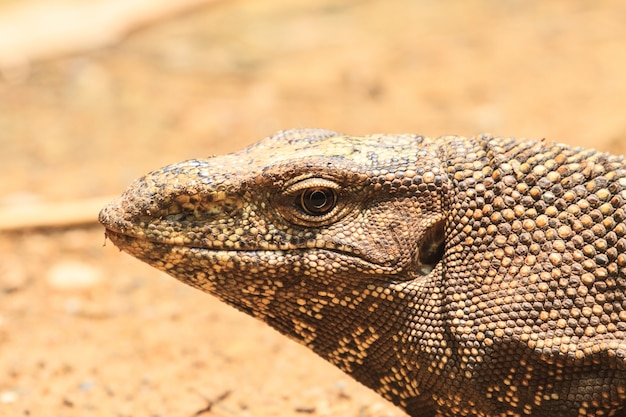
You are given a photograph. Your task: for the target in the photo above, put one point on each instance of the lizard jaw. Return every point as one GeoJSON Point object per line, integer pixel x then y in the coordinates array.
{"type": "Point", "coordinates": [164, 256]}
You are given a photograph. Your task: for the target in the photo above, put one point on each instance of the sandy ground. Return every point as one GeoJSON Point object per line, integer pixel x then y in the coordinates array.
{"type": "Point", "coordinates": [88, 331]}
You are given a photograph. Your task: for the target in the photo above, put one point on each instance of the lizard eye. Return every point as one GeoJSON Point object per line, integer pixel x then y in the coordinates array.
{"type": "Point", "coordinates": [317, 201]}
{"type": "Point", "coordinates": [312, 201]}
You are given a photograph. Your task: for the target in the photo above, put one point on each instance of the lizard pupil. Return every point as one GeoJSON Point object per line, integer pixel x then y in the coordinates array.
{"type": "Point", "coordinates": [317, 201]}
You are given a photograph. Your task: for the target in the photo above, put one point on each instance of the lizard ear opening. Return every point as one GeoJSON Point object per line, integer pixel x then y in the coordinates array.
{"type": "Point", "coordinates": [431, 248]}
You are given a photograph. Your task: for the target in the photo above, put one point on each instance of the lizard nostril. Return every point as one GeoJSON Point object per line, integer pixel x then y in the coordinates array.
{"type": "Point", "coordinates": [431, 249]}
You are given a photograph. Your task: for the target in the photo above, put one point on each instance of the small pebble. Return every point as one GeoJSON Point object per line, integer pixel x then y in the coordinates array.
{"type": "Point", "coordinates": [87, 385]}
{"type": "Point", "coordinates": [71, 275]}
{"type": "Point", "coordinates": [7, 397]}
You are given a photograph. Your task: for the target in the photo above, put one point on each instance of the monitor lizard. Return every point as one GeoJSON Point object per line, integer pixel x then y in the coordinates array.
{"type": "Point", "coordinates": [455, 276]}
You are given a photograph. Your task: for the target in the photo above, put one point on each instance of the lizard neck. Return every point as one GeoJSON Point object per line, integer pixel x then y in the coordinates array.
{"type": "Point", "coordinates": [390, 337]}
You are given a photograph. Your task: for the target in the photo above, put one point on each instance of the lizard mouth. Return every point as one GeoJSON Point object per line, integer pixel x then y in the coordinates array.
{"type": "Point", "coordinates": [155, 252]}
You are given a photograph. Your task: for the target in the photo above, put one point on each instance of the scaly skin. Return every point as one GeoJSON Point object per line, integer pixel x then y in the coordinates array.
{"type": "Point", "coordinates": [454, 276]}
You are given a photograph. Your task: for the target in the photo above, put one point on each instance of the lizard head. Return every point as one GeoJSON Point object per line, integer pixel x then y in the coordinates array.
{"type": "Point", "coordinates": [302, 228]}
{"type": "Point", "coordinates": [370, 206]}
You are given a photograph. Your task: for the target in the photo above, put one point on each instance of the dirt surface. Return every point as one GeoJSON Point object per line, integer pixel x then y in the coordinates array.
{"type": "Point", "coordinates": [88, 331]}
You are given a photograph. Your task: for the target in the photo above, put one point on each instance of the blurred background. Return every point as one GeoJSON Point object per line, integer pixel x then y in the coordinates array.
{"type": "Point", "coordinates": [96, 93]}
